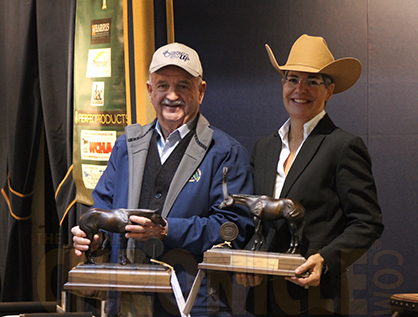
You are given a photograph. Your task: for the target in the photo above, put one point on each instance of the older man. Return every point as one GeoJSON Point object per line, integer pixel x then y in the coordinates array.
{"type": "Point", "coordinates": [176, 164]}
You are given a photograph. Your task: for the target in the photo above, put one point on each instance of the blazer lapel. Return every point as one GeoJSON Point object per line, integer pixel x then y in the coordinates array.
{"type": "Point", "coordinates": [307, 152]}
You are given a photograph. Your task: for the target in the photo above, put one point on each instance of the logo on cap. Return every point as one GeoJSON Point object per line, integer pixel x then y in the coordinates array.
{"type": "Point", "coordinates": [177, 54]}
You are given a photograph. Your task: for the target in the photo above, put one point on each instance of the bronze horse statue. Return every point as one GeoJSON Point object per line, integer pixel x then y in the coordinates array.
{"type": "Point", "coordinates": [267, 208]}
{"type": "Point", "coordinates": [114, 220]}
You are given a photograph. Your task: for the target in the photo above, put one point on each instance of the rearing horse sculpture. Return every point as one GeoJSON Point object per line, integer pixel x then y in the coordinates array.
{"type": "Point", "coordinates": [113, 221]}
{"type": "Point", "coordinates": [267, 208]}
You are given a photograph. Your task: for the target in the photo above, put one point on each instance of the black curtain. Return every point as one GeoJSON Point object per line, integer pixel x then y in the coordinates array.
{"type": "Point", "coordinates": [36, 40]}
{"type": "Point", "coordinates": [36, 90]}
{"type": "Point", "coordinates": [23, 127]}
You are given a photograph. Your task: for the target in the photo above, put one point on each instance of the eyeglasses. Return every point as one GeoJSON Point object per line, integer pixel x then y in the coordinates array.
{"type": "Point", "coordinates": [311, 82]}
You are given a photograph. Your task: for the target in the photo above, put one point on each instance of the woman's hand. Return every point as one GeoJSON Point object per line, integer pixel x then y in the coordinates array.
{"type": "Point", "coordinates": [314, 265]}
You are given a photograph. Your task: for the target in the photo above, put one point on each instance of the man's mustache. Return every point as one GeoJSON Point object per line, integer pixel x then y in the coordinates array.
{"type": "Point", "coordinates": [173, 103]}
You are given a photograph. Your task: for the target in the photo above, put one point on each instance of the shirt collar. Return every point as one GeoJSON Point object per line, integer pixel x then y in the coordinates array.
{"type": "Point", "coordinates": [182, 131]}
{"type": "Point", "coordinates": [307, 127]}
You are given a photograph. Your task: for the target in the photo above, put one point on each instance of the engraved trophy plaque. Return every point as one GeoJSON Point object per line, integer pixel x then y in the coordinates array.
{"type": "Point", "coordinates": [254, 260]}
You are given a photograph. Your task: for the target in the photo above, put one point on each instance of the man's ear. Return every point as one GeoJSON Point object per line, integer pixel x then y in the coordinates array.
{"type": "Point", "coordinates": [149, 88]}
{"type": "Point", "coordinates": [202, 90]}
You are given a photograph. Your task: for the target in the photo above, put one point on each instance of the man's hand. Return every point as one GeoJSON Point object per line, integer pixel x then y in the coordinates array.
{"type": "Point", "coordinates": [314, 265]}
{"type": "Point", "coordinates": [248, 279]}
{"type": "Point", "coordinates": [144, 229]}
{"type": "Point", "coordinates": [81, 243]}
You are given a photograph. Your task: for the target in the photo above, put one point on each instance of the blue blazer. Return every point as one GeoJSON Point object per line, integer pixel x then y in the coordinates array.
{"type": "Point", "coordinates": [191, 206]}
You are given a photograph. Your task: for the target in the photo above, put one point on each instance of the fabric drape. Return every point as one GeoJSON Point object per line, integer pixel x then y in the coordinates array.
{"type": "Point", "coordinates": [36, 94]}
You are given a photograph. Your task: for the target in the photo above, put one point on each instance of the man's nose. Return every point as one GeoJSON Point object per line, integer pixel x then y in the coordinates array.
{"type": "Point", "coordinates": [172, 94]}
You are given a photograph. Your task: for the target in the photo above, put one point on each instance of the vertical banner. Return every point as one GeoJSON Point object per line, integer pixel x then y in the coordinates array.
{"type": "Point", "coordinates": [114, 43]}
{"type": "Point", "coordinates": [99, 90]}
{"type": "Point", "coordinates": [139, 47]}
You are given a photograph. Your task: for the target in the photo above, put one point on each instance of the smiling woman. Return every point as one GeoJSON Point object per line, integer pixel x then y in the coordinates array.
{"type": "Point", "coordinates": [311, 160]}
{"type": "Point", "coordinates": [304, 101]}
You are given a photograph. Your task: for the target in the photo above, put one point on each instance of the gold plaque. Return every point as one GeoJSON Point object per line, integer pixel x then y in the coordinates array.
{"type": "Point", "coordinates": [255, 262]}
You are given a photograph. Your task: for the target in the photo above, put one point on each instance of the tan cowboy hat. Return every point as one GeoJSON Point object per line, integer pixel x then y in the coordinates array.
{"type": "Point", "coordinates": [311, 54]}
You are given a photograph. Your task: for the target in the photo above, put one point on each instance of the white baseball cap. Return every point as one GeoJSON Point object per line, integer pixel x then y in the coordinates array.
{"type": "Point", "coordinates": [179, 55]}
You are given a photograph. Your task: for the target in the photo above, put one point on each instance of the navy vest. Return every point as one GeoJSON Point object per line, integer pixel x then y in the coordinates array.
{"type": "Point", "coordinates": [157, 178]}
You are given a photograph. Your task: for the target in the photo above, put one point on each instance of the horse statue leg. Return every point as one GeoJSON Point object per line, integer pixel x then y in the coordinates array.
{"type": "Point", "coordinates": [257, 240]}
{"type": "Point", "coordinates": [296, 230]}
{"type": "Point", "coordinates": [122, 251]}
{"type": "Point", "coordinates": [293, 243]}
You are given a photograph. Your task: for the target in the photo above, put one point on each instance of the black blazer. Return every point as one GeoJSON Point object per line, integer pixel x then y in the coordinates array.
{"type": "Point", "coordinates": [332, 178]}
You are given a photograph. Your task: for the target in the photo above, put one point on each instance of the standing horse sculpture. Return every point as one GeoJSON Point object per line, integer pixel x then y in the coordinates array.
{"type": "Point", "coordinates": [113, 221]}
{"type": "Point", "coordinates": [267, 208]}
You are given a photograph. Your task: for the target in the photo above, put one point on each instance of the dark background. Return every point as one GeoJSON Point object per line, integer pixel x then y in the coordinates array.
{"type": "Point", "coordinates": [244, 99]}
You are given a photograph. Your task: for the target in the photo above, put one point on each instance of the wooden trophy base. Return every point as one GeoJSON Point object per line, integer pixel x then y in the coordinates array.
{"type": "Point", "coordinates": [254, 262]}
{"type": "Point", "coordinates": [124, 278]}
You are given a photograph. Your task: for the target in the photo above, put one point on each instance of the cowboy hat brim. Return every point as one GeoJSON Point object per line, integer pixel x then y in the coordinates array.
{"type": "Point", "coordinates": [344, 72]}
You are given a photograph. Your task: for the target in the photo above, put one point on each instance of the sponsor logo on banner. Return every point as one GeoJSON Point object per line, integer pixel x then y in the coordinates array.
{"type": "Point", "coordinates": [100, 31]}
{"type": "Point", "coordinates": [97, 118]}
{"type": "Point", "coordinates": [97, 93]}
{"type": "Point", "coordinates": [98, 63]}
{"type": "Point", "coordinates": [92, 174]}
{"type": "Point", "coordinates": [97, 145]}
